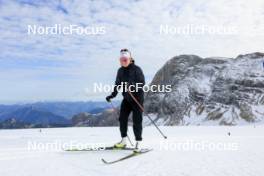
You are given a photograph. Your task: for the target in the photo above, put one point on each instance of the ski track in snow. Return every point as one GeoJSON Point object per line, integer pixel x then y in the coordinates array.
{"type": "Point", "coordinates": [16, 159]}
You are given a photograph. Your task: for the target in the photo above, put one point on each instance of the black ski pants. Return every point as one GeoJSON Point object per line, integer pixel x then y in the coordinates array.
{"type": "Point", "coordinates": [126, 108]}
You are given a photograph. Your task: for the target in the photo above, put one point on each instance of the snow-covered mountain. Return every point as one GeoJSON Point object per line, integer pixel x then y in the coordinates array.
{"type": "Point", "coordinates": [224, 91]}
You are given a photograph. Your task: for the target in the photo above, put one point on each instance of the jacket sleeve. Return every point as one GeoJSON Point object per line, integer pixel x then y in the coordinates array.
{"type": "Point", "coordinates": [117, 83]}
{"type": "Point", "coordinates": [140, 76]}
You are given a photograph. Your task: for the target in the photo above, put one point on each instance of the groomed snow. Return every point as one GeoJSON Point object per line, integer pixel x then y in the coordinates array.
{"type": "Point", "coordinates": [242, 155]}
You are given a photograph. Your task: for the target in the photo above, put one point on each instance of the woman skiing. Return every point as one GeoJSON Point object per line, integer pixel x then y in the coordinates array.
{"type": "Point", "coordinates": [129, 75]}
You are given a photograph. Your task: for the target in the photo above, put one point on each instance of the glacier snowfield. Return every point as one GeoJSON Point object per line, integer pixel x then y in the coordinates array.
{"type": "Point", "coordinates": [188, 151]}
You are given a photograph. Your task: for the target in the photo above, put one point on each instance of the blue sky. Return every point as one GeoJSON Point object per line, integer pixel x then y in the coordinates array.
{"type": "Point", "coordinates": [59, 67]}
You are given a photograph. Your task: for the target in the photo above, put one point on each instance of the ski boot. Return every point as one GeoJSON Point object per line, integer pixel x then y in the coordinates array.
{"type": "Point", "coordinates": [121, 144]}
{"type": "Point", "coordinates": [137, 147]}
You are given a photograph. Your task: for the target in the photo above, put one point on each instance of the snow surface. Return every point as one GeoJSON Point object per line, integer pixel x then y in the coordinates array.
{"type": "Point", "coordinates": [244, 158]}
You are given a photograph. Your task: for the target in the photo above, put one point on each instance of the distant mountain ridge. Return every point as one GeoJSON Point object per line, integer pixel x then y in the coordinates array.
{"type": "Point", "coordinates": [30, 115]}
{"type": "Point", "coordinates": [46, 114]}
{"type": "Point", "coordinates": [65, 109]}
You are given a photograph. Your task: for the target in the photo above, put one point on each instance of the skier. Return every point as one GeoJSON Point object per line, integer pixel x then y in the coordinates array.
{"type": "Point", "coordinates": [129, 74]}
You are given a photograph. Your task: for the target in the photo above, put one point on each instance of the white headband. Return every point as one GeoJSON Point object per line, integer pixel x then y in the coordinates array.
{"type": "Point", "coordinates": [125, 54]}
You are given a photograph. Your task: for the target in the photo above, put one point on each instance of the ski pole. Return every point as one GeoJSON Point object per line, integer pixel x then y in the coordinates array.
{"type": "Point", "coordinates": [118, 115]}
{"type": "Point", "coordinates": [142, 109]}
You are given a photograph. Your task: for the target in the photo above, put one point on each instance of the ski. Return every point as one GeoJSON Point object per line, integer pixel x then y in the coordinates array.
{"type": "Point", "coordinates": [97, 149]}
{"type": "Point", "coordinates": [127, 157]}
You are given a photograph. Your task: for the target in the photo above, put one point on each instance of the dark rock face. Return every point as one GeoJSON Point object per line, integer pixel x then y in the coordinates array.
{"type": "Point", "coordinates": [225, 91]}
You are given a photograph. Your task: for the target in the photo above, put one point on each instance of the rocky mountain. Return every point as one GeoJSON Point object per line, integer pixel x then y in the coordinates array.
{"type": "Point", "coordinates": [218, 91]}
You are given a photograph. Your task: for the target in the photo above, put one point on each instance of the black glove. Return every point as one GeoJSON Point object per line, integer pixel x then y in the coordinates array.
{"type": "Point", "coordinates": [108, 98]}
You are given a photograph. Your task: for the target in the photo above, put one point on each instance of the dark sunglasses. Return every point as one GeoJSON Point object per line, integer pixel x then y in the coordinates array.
{"type": "Point", "coordinates": [124, 50]}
